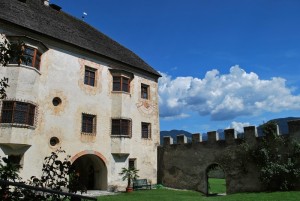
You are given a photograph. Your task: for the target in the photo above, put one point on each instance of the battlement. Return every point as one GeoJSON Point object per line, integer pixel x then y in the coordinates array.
{"type": "Point", "coordinates": [231, 136]}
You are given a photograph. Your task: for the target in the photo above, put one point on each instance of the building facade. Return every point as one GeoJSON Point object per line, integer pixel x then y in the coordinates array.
{"type": "Point", "coordinates": [79, 90]}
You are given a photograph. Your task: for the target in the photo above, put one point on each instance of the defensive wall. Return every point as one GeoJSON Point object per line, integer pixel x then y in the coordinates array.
{"type": "Point", "coordinates": [185, 165]}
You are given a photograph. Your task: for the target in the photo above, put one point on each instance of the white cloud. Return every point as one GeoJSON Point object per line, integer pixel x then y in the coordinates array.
{"type": "Point", "coordinates": [238, 126]}
{"type": "Point", "coordinates": [226, 96]}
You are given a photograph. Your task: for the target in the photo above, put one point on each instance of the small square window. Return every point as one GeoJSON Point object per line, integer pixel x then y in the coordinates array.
{"type": "Point", "coordinates": [132, 163]}
{"type": "Point", "coordinates": [16, 160]}
{"type": "Point", "coordinates": [146, 130]}
{"type": "Point", "coordinates": [145, 91]}
{"type": "Point", "coordinates": [88, 124]}
{"type": "Point", "coordinates": [90, 76]}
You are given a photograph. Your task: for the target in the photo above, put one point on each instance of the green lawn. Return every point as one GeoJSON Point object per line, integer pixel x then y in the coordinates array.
{"type": "Point", "coordinates": [217, 185]}
{"type": "Point", "coordinates": [179, 195]}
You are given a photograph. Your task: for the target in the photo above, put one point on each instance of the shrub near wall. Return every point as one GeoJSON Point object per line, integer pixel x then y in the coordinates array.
{"type": "Point", "coordinates": [278, 160]}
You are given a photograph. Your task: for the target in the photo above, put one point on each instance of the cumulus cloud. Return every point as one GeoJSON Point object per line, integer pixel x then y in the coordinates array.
{"type": "Point", "coordinates": [224, 97]}
{"type": "Point", "coordinates": [238, 126]}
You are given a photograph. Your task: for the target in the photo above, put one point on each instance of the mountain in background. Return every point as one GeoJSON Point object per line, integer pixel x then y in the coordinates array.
{"type": "Point", "coordinates": [281, 122]}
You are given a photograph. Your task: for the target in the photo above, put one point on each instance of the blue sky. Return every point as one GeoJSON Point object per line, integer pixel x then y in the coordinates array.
{"type": "Point", "coordinates": [224, 63]}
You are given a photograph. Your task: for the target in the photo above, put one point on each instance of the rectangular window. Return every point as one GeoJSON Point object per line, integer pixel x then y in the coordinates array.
{"type": "Point", "coordinates": [89, 76]}
{"type": "Point", "coordinates": [121, 83]}
{"type": "Point", "coordinates": [121, 127]}
{"type": "Point", "coordinates": [144, 91]}
{"type": "Point", "coordinates": [146, 130]}
{"type": "Point", "coordinates": [17, 112]}
{"type": "Point", "coordinates": [88, 125]}
{"type": "Point", "coordinates": [31, 57]}
{"type": "Point", "coordinates": [132, 163]}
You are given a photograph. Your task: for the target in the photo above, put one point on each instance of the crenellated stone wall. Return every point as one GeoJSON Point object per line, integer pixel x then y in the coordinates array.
{"type": "Point", "coordinates": [184, 165]}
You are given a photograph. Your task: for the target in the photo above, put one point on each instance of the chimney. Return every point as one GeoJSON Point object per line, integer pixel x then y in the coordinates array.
{"type": "Point", "coordinates": [46, 2]}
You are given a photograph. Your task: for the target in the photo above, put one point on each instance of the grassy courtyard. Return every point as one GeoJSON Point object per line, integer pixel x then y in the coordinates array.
{"type": "Point", "coordinates": [217, 185]}
{"type": "Point", "coordinates": [181, 195]}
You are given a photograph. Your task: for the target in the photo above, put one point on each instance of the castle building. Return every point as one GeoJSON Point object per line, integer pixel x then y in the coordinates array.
{"type": "Point", "coordinates": [79, 90]}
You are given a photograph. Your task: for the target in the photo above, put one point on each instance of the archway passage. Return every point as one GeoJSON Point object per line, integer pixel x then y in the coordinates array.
{"type": "Point", "coordinates": [216, 181]}
{"type": "Point", "coordinates": [92, 172]}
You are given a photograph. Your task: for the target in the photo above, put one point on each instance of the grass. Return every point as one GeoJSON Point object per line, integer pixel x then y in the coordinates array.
{"type": "Point", "coordinates": [217, 185]}
{"type": "Point", "coordinates": [183, 195]}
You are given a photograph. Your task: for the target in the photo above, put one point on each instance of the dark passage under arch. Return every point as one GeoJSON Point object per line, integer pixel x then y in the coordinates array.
{"type": "Point", "coordinates": [92, 172]}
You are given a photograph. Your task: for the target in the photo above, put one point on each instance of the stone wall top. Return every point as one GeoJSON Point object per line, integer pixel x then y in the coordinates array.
{"type": "Point", "coordinates": [231, 136]}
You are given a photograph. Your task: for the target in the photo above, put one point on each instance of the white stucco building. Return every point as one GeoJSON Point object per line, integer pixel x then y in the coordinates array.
{"type": "Point", "coordinates": [81, 91]}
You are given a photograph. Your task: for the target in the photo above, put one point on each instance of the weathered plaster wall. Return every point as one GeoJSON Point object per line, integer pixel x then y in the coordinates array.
{"type": "Point", "coordinates": [184, 165]}
{"type": "Point", "coordinates": [61, 75]}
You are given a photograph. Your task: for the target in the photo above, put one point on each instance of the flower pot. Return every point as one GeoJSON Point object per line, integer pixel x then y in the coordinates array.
{"type": "Point", "coordinates": [129, 189]}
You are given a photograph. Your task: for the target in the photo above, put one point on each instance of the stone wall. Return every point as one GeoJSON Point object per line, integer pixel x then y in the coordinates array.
{"type": "Point", "coordinates": [184, 165]}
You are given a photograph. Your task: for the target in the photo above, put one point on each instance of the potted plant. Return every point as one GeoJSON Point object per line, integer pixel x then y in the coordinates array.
{"type": "Point", "coordinates": [129, 174]}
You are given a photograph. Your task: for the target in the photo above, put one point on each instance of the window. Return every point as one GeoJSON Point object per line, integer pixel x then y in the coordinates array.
{"type": "Point", "coordinates": [89, 76]}
{"type": "Point", "coordinates": [132, 163]}
{"type": "Point", "coordinates": [144, 91]}
{"type": "Point", "coordinates": [146, 130]}
{"type": "Point", "coordinates": [31, 57]}
{"type": "Point", "coordinates": [17, 112]}
{"type": "Point", "coordinates": [15, 159]}
{"type": "Point", "coordinates": [88, 124]}
{"type": "Point", "coordinates": [121, 83]}
{"type": "Point", "coordinates": [121, 127]}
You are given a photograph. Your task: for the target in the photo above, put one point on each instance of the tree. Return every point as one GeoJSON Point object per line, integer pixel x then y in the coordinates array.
{"type": "Point", "coordinates": [55, 176]}
{"type": "Point", "coordinates": [129, 174]}
{"type": "Point", "coordinates": [278, 160]}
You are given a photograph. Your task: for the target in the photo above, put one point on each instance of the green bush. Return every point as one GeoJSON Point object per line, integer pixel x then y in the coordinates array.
{"type": "Point", "coordinates": [278, 160]}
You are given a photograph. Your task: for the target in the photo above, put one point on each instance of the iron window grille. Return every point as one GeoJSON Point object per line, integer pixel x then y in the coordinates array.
{"type": "Point", "coordinates": [121, 127]}
{"type": "Point", "coordinates": [88, 125]}
{"type": "Point", "coordinates": [17, 112]}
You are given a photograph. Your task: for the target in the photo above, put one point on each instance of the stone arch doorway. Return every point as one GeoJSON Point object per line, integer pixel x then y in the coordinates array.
{"type": "Point", "coordinates": [215, 180]}
{"type": "Point", "coordinates": [92, 171]}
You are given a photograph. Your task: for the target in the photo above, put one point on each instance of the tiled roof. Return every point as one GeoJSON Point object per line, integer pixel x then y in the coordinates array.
{"type": "Point", "coordinates": [34, 15]}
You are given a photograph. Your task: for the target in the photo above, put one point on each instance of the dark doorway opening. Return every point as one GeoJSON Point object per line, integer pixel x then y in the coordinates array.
{"type": "Point", "coordinates": [92, 172]}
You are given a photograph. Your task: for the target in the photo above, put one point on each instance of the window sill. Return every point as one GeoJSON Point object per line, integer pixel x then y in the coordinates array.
{"type": "Point", "coordinates": [24, 66]}
{"type": "Point", "coordinates": [90, 134]}
{"type": "Point", "coordinates": [17, 125]}
{"type": "Point", "coordinates": [143, 138]}
{"type": "Point", "coordinates": [121, 92]}
{"type": "Point", "coordinates": [120, 136]}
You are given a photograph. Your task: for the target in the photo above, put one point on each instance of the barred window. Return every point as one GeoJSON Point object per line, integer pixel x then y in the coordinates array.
{"type": "Point", "coordinates": [121, 127]}
{"type": "Point", "coordinates": [89, 76]}
{"type": "Point", "coordinates": [146, 130]}
{"type": "Point", "coordinates": [121, 83]}
{"type": "Point", "coordinates": [88, 124]}
{"type": "Point", "coordinates": [17, 112]}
